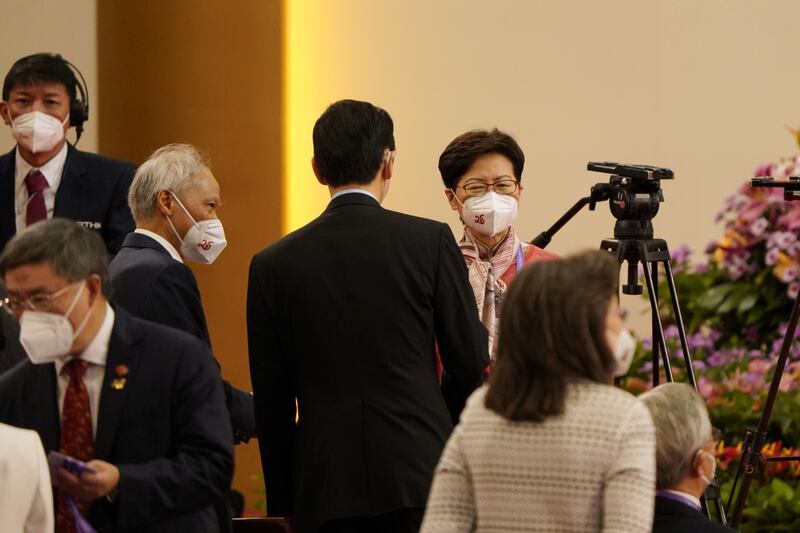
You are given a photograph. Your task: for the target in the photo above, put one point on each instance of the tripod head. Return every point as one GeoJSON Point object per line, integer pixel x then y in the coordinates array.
{"type": "Point", "coordinates": [635, 194]}
{"type": "Point", "coordinates": [791, 187]}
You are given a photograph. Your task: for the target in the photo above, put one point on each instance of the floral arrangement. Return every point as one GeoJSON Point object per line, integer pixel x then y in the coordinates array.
{"type": "Point", "coordinates": [735, 301]}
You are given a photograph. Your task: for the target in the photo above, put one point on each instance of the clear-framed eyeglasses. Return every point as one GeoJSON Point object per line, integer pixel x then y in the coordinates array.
{"type": "Point", "coordinates": [36, 302]}
{"type": "Point", "coordinates": [506, 185]}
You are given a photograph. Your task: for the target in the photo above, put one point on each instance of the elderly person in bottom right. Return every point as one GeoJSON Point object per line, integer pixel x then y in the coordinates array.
{"type": "Point", "coordinates": [549, 444]}
{"type": "Point", "coordinates": [685, 460]}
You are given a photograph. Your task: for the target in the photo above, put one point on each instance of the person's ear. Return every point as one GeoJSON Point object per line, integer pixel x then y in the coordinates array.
{"type": "Point", "coordinates": [388, 166]}
{"type": "Point", "coordinates": [4, 112]}
{"type": "Point", "coordinates": [94, 286]}
{"type": "Point", "coordinates": [314, 166]}
{"type": "Point", "coordinates": [451, 198]}
{"type": "Point", "coordinates": [164, 202]}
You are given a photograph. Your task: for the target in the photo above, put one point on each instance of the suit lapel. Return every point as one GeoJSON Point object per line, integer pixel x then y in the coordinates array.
{"type": "Point", "coordinates": [72, 188]}
{"type": "Point", "coordinates": [8, 222]}
{"type": "Point", "coordinates": [44, 406]}
{"type": "Point", "coordinates": [121, 366]}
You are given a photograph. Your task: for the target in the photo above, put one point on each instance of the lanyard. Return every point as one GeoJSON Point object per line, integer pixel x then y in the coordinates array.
{"type": "Point", "coordinates": [520, 258]}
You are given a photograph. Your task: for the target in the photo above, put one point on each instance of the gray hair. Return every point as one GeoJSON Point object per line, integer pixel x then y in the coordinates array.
{"type": "Point", "coordinates": [74, 252]}
{"type": "Point", "coordinates": [170, 167]}
{"type": "Point", "coordinates": [682, 427]}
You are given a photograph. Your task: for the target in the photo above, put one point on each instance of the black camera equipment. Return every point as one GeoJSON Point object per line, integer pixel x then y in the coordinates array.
{"type": "Point", "coordinates": [634, 194]}
{"type": "Point", "coordinates": [752, 459]}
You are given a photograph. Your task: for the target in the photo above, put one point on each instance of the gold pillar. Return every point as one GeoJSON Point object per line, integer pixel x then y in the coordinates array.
{"type": "Point", "coordinates": [207, 73]}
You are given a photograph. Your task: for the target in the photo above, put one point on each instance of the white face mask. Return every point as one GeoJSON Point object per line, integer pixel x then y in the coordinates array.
{"type": "Point", "coordinates": [37, 131]}
{"type": "Point", "coordinates": [623, 346]}
{"type": "Point", "coordinates": [490, 213]}
{"type": "Point", "coordinates": [713, 466]}
{"type": "Point", "coordinates": [204, 241]}
{"type": "Point", "coordinates": [47, 337]}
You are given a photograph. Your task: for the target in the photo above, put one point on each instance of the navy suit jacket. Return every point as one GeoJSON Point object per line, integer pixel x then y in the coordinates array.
{"type": "Point", "coordinates": [675, 517]}
{"type": "Point", "coordinates": [148, 283]}
{"type": "Point", "coordinates": [93, 191]}
{"type": "Point", "coordinates": [166, 429]}
{"type": "Point", "coordinates": [343, 316]}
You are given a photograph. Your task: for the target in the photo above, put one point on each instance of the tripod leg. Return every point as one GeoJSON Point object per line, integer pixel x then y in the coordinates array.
{"type": "Point", "coordinates": [658, 328]}
{"type": "Point", "coordinates": [752, 458]}
{"type": "Point", "coordinates": [676, 309]}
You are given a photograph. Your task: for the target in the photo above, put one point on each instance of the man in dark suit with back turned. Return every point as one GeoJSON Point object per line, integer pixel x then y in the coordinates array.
{"type": "Point", "coordinates": [141, 403]}
{"type": "Point", "coordinates": [342, 317]}
{"type": "Point", "coordinates": [44, 176]}
{"type": "Point", "coordinates": [174, 198]}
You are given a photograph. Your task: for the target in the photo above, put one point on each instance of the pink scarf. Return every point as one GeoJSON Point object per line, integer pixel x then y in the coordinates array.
{"type": "Point", "coordinates": [485, 276]}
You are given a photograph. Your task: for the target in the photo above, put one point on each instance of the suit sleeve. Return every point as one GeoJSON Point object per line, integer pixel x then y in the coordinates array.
{"type": "Point", "coordinates": [629, 496]}
{"type": "Point", "coordinates": [274, 398]}
{"type": "Point", "coordinates": [460, 335]}
{"type": "Point", "coordinates": [175, 301]}
{"type": "Point", "coordinates": [198, 470]}
{"type": "Point", "coordinates": [119, 221]}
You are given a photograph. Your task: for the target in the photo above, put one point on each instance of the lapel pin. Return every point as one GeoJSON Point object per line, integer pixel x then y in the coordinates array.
{"type": "Point", "coordinates": [118, 383]}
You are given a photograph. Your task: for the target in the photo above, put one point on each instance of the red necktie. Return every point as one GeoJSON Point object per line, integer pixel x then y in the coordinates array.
{"type": "Point", "coordinates": [37, 210]}
{"type": "Point", "coordinates": [76, 435]}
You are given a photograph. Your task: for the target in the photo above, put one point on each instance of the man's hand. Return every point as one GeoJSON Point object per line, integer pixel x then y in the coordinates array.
{"type": "Point", "coordinates": [90, 485]}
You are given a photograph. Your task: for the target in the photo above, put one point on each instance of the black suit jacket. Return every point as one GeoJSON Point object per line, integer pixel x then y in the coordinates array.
{"type": "Point", "coordinates": [93, 191]}
{"type": "Point", "coordinates": [675, 517]}
{"type": "Point", "coordinates": [167, 429]}
{"type": "Point", "coordinates": [342, 315]}
{"type": "Point", "coordinates": [148, 283]}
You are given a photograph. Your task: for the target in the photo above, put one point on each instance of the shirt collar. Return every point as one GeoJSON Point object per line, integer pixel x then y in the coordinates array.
{"type": "Point", "coordinates": [52, 170]}
{"type": "Point", "coordinates": [348, 191]}
{"type": "Point", "coordinates": [684, 497]}
{"type": "Point", "coordinates": [163, 242]}
{"type": "Point", "coordinates": [97, 350]}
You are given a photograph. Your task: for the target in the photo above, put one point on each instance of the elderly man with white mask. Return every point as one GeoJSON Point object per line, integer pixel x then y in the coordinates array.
{"type": "Point", "coordinates": [685, 460]}
{"type": "Point", "coordinates": [174, 199]}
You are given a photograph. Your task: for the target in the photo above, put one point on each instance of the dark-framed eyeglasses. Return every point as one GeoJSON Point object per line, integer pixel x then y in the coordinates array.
{"type": "Point", "coordinates": [479, 188]}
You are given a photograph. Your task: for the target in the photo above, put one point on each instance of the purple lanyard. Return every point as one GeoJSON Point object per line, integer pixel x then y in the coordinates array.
{"type": "Point", "coordinates": [520, 259]}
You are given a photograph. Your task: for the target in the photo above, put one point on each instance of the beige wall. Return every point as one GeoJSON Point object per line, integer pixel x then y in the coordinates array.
{"type": "Point", "coordinates": [64, 27]}
{"type": "Point", "coordinates": [704, 87]}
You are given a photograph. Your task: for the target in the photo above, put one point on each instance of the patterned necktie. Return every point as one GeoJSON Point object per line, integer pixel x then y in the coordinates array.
{"type": "Point", "coordinates": [36, 210]}
{"type": "Point", "coordinates": [76, 435]}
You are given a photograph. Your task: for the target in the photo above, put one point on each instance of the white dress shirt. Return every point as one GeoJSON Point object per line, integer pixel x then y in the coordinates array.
{"type": "Point", "coordinates": [96, 354]}
{"type": "Point", "coordinates": [52, 171]}
{"type": "Point", "coordinates": [163, 242]}
{"type": "Point", "coordinates": [26, 497]}
{"type": "Point", "coordinates": [359, 191]}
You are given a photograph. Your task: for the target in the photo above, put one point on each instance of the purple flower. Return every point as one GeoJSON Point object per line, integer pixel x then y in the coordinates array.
{"type": "Point", "coordinates": [683, 253]}
{"type": "Point", "coordinates": [699, 365]}
{"type": "Point", "coordinates": [702, 268]}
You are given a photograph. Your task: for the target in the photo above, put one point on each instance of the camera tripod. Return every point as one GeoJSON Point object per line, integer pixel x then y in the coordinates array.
{"type": "Point", "coordinates": [752, 458]}
{"type": "Point", "coordinates": [634, 192]}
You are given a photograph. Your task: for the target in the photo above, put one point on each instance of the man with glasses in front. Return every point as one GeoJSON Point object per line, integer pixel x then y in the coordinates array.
{"type": "Point", "coordinates": [482, 173]}
{"type": "Point", "coordinates": [138, 404]}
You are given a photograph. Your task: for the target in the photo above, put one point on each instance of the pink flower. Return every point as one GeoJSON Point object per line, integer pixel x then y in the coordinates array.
{"type": "Point", "coordinates": [751, 212]}
{"type": "Point", "coordinates": [791, 219]}
{"type": "Point", "coordinates": [763, 170]}
{"type": "Point", "coordinates": [759, 227]}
